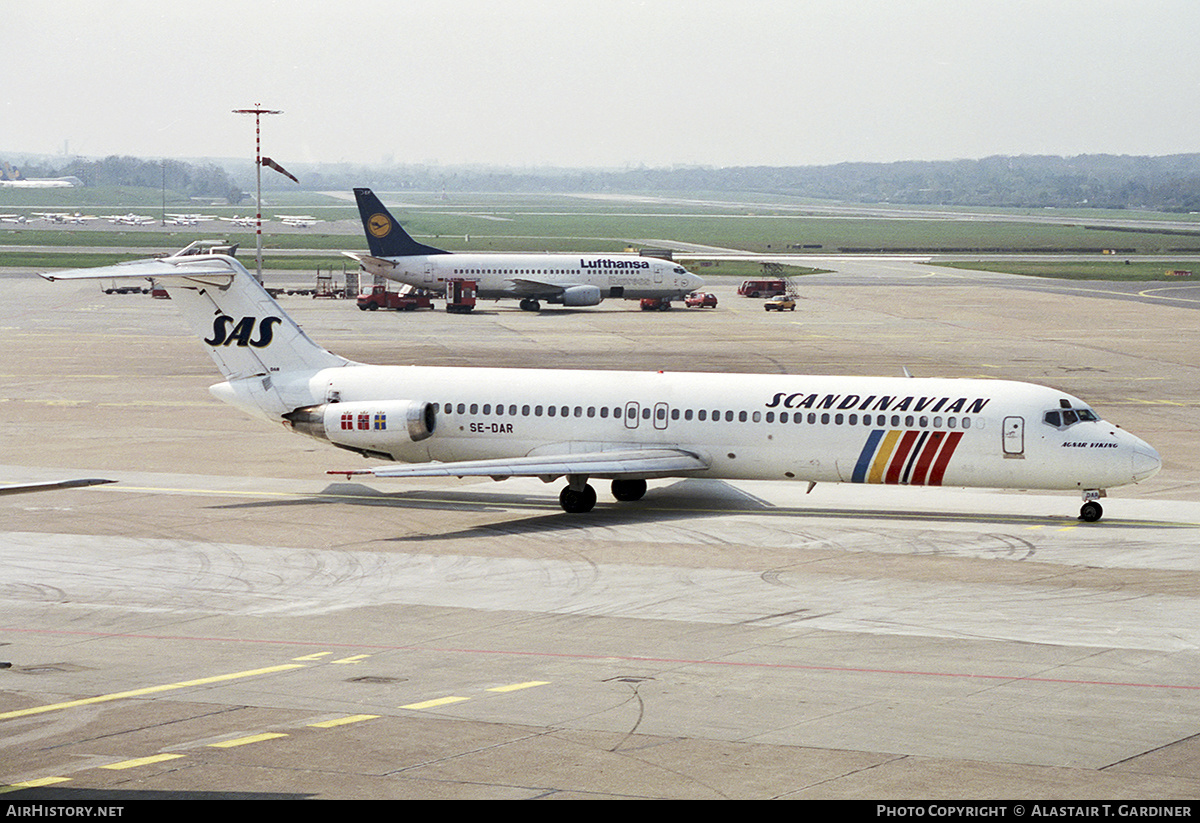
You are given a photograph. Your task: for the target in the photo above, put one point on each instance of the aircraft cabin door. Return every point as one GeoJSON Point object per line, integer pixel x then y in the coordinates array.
{"type": "Point", "coordinates": [660, 415]}
{"type": "Point", "coordinates": [631, 415]}
{"type": "Point", "coordinates": [1014, 437]}
{"type": "Point", "coordinates": [428, 273]}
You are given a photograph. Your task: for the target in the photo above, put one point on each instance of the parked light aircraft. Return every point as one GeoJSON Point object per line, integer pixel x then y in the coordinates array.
{"type": "Point", "coordinates": [64, 217]}
{"type": "Point", "coordinates": [628, 426]}
{"type": "Point", "coordinates": [299, 221]}
{"type": "Point", "coordinates": [187, 219]}
{"type": "Point", "coordinates": [129, 219]}
{"type": "Point", "coordinates": [568, 279]}
{"type": "Point", "coordinates": [245, 222]}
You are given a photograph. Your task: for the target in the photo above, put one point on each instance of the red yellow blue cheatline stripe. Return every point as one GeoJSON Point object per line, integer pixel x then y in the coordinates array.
{"type": "Point", "coordinates": [906, 457]}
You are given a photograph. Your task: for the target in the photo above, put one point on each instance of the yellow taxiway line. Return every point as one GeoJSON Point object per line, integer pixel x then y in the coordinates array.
{"type": "Point", "coordinates": [107, 698]}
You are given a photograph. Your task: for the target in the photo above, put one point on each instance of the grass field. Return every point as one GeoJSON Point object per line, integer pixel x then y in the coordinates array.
{"type": "Point", "coordinates": [754, 222]}
{"type": "Point", "coordinates": [763, 234]}
{"type": "Point", "coordinates": [1133, 270]}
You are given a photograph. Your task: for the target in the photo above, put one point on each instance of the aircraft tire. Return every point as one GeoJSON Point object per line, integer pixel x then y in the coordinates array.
{"type": "Point", "coordinates": [628, 490]}
{"type": "Point", "coordinates": [530, 305]}
{"type": "Point", "coordinates": [1091, 512]}
{"type": "Point", "coordinates": [580, 502]}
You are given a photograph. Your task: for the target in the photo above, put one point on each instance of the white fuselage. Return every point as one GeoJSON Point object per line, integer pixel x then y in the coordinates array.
{"type": "Point", "coordinates": [906, 431]}
{"type": "Point", "coordinates": [545, 276]}
{"type": "Point", "coordinates": [631, 426]}
{"type": "Point", "coordinates": [45, 183]}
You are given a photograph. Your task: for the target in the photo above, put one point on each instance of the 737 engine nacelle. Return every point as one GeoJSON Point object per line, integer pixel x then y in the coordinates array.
{"type": "Point", "coordinates": [367, 426]}
{"type": "Point", "coordinates": [581, 296]}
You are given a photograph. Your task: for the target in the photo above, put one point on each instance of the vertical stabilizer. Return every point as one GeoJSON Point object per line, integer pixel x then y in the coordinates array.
{"type": "Point", "coordinates": [385, 236]}
{"type": "Point", "coordinates": [242, 328]}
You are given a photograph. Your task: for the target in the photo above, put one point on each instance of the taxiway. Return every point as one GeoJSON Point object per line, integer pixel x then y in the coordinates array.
{"type": "Point", "coordinates": [228, 621]}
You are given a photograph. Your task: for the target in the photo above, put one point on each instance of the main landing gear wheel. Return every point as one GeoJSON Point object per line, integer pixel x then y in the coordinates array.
{"type": "Point", "coordinates": [577, 502]}
{"type": "Point", "coordinates": [1091, 512]}
{"type": "Point", "coordinates": [529, 304]}
{"type": "Point", "coordinates": [628, 490]}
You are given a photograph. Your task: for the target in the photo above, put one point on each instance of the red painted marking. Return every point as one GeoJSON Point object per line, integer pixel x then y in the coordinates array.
{"type": "Point", "coordinates": [943, 459]}
{"type": "Point", "coordinates": [926, 458]}
{"type": "Point", "coordinates": [898, 460]}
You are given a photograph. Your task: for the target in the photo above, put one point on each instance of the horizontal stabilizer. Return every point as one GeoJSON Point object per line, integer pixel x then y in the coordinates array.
{"type": "Point", "coordinates": [202, 268]}
{"type": "Point", "coordinates": [371, 262]}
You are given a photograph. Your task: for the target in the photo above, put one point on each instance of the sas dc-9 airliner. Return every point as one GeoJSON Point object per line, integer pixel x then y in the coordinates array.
{"type": "Point", "coordinates": [566, 279]}
{"type": "Point", "coordinates": [628, 427]}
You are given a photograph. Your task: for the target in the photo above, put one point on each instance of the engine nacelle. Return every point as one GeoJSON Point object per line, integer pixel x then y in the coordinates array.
{"type": "Point", "coordinates": [581, 296]}
{"type": "Point", "coordinates": [371, 426]}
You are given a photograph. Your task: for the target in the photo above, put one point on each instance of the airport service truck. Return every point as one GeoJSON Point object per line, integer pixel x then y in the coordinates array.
{"type": "Point", "coordinates": [380, 298]}
{"type": "Point", "coordinates": [762, 288]}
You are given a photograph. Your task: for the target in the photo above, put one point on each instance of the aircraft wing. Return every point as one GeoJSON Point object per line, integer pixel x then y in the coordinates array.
{"type": "Point", "coordinates": [523, 285]}
{"type": "Point", "coordinates": [21, 488]}
{"type": "Point", "coordinates": [665, 462]}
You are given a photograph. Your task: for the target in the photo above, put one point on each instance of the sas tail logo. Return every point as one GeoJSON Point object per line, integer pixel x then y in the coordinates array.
{"type": "Point", "coordinates": [228, 332]}
{"type": "Point", "coordinates": [379, 225]}
{"type": "Point", "coordinates": [910, 458]}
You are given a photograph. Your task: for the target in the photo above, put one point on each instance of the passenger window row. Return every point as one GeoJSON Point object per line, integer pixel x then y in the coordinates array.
{"type": "Point", "coordinates": [715, 415]}
{"type": "Point", "coordinates": [458, 272]}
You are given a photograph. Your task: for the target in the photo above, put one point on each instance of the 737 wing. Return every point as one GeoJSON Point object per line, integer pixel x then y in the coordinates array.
{"type": "Point", "coordinates": [640, 463]}
{"type": "Point", "coordinates": [537, 288]}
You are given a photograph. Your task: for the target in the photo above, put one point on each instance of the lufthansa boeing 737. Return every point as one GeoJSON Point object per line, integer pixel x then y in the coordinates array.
{"type": "Point", "coordinates": [627, 427]}
{"type": "Point", "coordinates": [566, 279]}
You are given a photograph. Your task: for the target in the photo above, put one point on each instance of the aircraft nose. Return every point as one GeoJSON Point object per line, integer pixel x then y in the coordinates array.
{"type": "Point", "coordinates": [1146, 462]}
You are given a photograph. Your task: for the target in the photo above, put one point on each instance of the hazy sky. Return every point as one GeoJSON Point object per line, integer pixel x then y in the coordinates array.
{"type": "Point", "coordinates": [602, 82]}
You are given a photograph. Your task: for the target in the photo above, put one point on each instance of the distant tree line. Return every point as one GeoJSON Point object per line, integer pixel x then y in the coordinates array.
{"type": "Point", "coordinates": [207, 180]}
{"type": "Point", "coordinates": [1170, 183]}
{"type": "Point", "coordinates": [1102, 181]}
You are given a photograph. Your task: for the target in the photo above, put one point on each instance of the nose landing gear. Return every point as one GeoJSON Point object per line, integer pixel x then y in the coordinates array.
{"type": "Point", "coordinates": [1091, 510]}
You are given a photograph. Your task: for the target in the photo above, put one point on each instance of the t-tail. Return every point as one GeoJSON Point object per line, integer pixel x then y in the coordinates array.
{"type": "Point", "coordinates": [385, 236]}
{"type": "Point", "coordinates": [267, 360]}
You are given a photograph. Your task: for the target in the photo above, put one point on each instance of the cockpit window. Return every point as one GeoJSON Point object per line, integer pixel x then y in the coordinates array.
{"type": "Point", "coordinates": [1062, 418]}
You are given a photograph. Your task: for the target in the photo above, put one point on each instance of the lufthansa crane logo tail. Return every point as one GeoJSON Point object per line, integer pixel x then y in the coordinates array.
{"type": "Point", "coordinates": [380, 225]}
